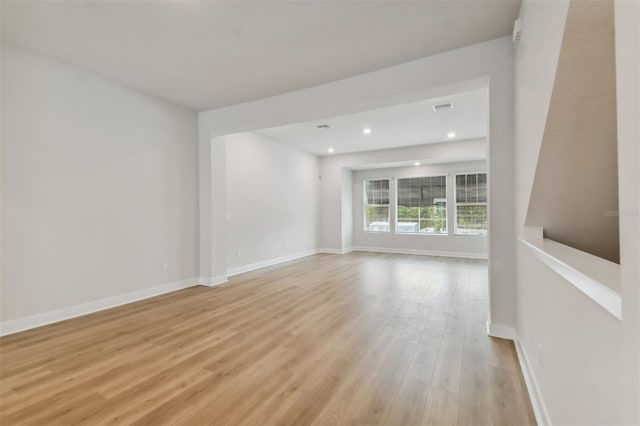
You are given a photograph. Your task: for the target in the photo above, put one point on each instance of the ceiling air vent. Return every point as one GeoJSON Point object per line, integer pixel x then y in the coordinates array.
{"type": "Point", "coordinates": [324, 126]}
{"type": "Point", "coordinates": [442, 107]}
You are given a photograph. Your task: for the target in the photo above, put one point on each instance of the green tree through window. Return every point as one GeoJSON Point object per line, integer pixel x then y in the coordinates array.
{"type": "Point", "coordinates": [471, 203]}
{"type": "Point", "coordinates": [422, 205]}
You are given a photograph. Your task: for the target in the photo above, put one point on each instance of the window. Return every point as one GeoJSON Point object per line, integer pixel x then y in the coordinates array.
{"type": "Point", "coordinates": [376, 205]}
{"type": "Point", "coordinates": [471, 204]}
{"type": "Point", "coordinates": [422, 205]}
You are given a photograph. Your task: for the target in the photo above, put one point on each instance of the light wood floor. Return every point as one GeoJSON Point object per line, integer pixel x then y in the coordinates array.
{"type": "Point", "coordinates": [353, 339]}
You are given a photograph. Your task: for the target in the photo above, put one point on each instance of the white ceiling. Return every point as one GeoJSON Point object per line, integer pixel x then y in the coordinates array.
{"type": "Point", "coordinates": [401, 125]}
{"type": "Point", "coordinates": [209, 54]}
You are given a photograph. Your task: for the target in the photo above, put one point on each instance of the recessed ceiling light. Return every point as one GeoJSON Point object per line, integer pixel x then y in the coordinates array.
{"type": "Point", "coordinates": [451, 134]}
{"type": "Point", "coordinates": [330, 150]}
{"type": "Point", "coordinates": [417, 163]}
{"type": "Point", "coordinates": [366, 131]}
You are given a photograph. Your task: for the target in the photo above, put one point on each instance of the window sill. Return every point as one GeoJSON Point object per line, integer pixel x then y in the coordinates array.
{"type": "Point", "coordinates": [421, 234]}
{"type": "Point", "coordinates": [470, 235]}
{"type": "Point", "coordinates": [595, 277]}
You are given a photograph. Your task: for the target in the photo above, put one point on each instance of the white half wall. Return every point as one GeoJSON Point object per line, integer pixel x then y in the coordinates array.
{"type": "Point", "coordinates": [473, 246]}
{"type": "Point", "coordinates": [271, 200]}
{"type": "Point", "coordinates": [99, 190]}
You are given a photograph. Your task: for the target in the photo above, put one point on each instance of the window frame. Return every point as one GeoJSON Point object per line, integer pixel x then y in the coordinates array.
{"type": "Point", "coordinates": [365, 204]}
{"type": "Point", "coordinates": [446, 207]}
{"type": "Point", "coordinates": [455, 204]}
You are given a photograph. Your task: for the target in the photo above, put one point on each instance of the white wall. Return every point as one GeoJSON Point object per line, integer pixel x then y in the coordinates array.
{"type": "Point", "coordinates": [272, 196]}
{"type": "Point", "coordinates": [581, 372]}
{"type": "Point", "coordinates": [627, 18]}
{"type": "Point", "coordinates": [347, 193]}
{"type": "Point", "coordinates": [99, 188]}
{"type": "Point", "coordinates": [474, 246]}
{"type": "Point", "coordinates": [488, 64]}
{"type": "Point", "coordinates": [212, 233]}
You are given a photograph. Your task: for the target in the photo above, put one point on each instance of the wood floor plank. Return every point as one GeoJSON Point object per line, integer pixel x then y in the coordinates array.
{"type": "Point", "coordinates": [507, 399]}
{"type": "Point", "coordinates": [343, 401]}
{"type": "Point", "coordinates": [474, 399]}
{"type": "Point", "coordinates": [502, 354]}
{"type": "Point", "coordinates": [448, 368]}
{"type": "Point", "coordinates": [411, 398]}
{"type": "Point", "coordinates": [360, 338]}
{"type": "Point", "coordinates": [441, 408]}
{"type": "Point", "coordinates": [375, 402]}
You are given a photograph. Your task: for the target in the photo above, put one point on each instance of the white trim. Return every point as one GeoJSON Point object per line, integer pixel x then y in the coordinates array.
{"type": "Point", "coordinates": [501, 331]}
{"type": "Point", "coordinates": [422, 252]}
{"type": "Point", "coordinates": [579, 269]}
{"type": "Point", "coordinates": [270, 262]}
{"type": "Point", "coordinates": [212, 281]}
{"type": "Point", "coordinates": [535, 396]}
{"type": "Point", "coordinates": [335, 251]}
{"type": "Point", "coordinates": [38, 320]}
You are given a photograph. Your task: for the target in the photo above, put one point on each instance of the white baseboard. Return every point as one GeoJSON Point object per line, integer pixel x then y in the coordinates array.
{"type": "Point", "coordinates": [38, 320]}
{"type": "Point", "coordinates": [269, 262]}
{"type": "Point", "coordinates": [537, 403]}
{"type": "Point", "coordinates": [335, 251]}
{"type": "Point", "coordinates": [422, 252]}
{"type": "Point", "coordinates": [212, 281]}
{"type": "Point", "coordinates": [501, 331]}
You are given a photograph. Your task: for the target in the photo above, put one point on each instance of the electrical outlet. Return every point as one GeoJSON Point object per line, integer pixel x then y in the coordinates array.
{"type": "Point", "coordinates": [540, 356]}
{"type": "Point", "coordinates": [167, 267]}
{"type": "Point", "coordinates": [238, 254]}
{"type": "Point", "coordinates": [285, 246]}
